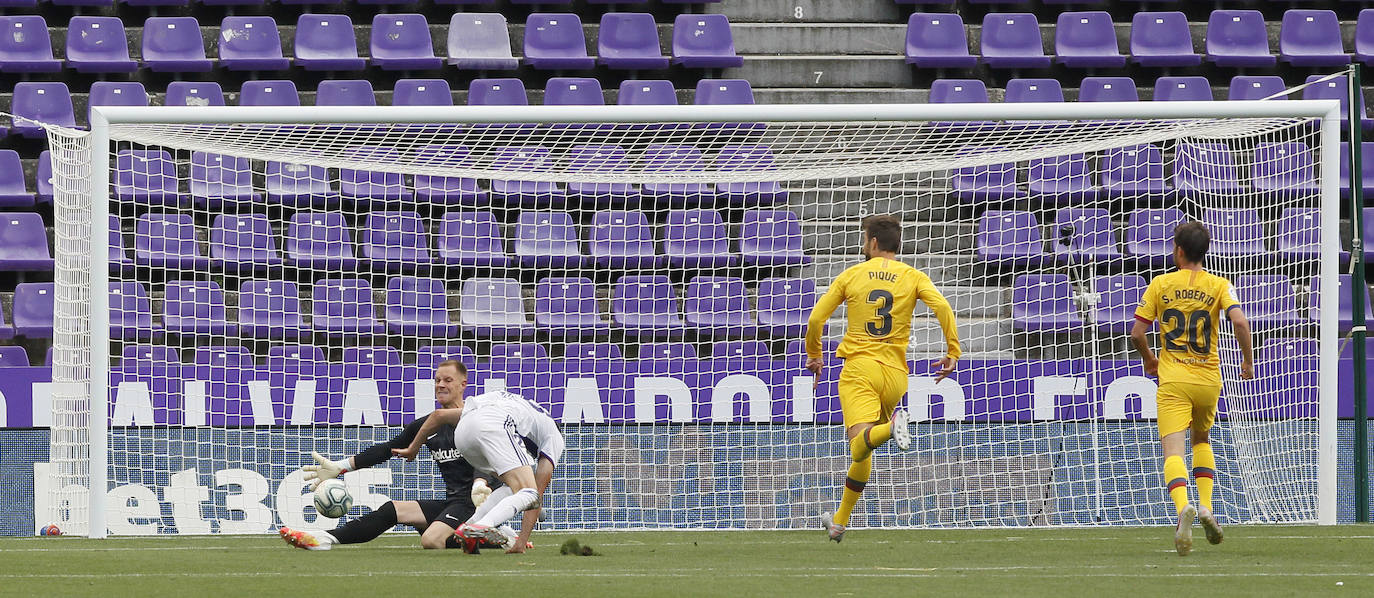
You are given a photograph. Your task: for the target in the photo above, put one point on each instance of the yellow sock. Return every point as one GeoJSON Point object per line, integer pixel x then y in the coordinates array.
{"type": "Point", "coordinates": [853, 486]}
{"type": "Point", "coordinates": [862, 446]}
{"type": "Point", "coordinates": [1204, 470]}
{"type": "Point", "coordinates": [1176, 480]}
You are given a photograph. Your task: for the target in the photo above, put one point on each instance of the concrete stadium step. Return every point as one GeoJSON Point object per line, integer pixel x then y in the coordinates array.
{"type": "Point", "coordinates": [839, 95]}
{"type": "Point", "coordinates": [911, 203]}
{"type": "Point", "coordinates": [824, 71]}
{"type": "Point", "coordinates": [816, 11]}
{"type": "Point", "coordinates": [920, 237]}
{"type": "Point", "coordinates": [819, 38]}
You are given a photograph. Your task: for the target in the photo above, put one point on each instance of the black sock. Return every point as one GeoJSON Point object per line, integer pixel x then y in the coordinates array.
{"type": "Point", "coordinates": [367, 527]}
{"type": "Point", "coordinates": [453, 542]}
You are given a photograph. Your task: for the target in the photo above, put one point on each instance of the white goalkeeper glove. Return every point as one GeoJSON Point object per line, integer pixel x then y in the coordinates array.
{"type": "Point", "coordinates": [480, 492]}
{"type": "Point", "coordinates": [326, 470]}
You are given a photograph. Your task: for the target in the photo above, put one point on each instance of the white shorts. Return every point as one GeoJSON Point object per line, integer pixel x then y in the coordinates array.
{"type": "Point", "coordinates": [487, 439]}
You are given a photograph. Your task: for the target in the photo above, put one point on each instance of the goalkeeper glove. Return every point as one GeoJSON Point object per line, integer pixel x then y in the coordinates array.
{"type": "Point", "coordinates": [480, 491]}
{"type": "Point", "coordinates": [326, 470]}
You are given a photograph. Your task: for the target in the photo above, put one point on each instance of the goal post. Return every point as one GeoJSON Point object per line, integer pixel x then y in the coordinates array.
{"type": "Point", "coordinates": [285, 278]}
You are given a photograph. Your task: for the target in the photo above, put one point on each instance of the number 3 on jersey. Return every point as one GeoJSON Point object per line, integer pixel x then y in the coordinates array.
{"type": "Point", "coordinates": [883, 300]}
{"type": "Point", "coordinates": [1196, 324]}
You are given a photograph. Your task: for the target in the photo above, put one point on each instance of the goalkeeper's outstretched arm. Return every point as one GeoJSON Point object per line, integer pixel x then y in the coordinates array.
{"type": "Point", "coordinates": [324, 469]}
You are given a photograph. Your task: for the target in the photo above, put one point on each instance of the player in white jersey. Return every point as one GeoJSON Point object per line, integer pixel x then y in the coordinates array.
{"type": "Point", "coordinates": [491, 431]}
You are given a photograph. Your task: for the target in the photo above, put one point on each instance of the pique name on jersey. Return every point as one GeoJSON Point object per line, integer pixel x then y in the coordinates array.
{"type": "Point", "coordinates": [1194, 294]}
{"type": "Point", "coordinates": [887, 276]}
{"type": "Point", "coordinates": [446, 455]}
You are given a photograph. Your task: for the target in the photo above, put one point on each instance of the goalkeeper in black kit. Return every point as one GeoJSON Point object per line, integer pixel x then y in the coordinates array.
{"type": "Point", "coordinates": [436, 520]}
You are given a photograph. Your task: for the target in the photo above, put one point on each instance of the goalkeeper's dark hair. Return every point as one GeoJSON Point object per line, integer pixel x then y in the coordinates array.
{"type": "Point", "coordinates": [887, 229]}
{"type": "Point", "coordinates": [457, 365]}
{"type": "Point", "coordinates": [1192, 237]}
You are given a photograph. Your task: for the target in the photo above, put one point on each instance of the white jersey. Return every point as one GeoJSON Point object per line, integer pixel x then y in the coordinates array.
{"type": "Point", "coordinates": [532, 423]}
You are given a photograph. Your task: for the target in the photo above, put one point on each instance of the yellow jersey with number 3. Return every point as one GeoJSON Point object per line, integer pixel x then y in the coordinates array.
{"type": "Point", "coordinates": [879, 297]}
{"type": "Point", "coordinates": [1189, 306]}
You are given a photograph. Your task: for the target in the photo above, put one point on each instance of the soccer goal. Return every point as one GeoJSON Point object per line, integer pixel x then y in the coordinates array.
{"type": "Point", "coordinates": [239, 286]}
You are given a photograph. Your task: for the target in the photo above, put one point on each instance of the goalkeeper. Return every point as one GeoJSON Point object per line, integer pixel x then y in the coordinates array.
{"type": "Point", "coordinates": [436, 520]}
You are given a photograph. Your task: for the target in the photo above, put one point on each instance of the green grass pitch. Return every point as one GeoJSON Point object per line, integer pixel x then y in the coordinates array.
{"type": "Point", "coordinates": [1267, 560]}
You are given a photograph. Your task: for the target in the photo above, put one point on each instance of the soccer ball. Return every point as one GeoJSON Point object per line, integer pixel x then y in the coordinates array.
{"type": "Point", "coordinates": [332, 499]}
{"type": "Point", "coordinates": [50, 530]}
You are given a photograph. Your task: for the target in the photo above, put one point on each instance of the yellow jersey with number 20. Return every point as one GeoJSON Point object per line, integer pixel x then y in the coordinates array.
{"type": "Point", "coordinates": [1189, 306]}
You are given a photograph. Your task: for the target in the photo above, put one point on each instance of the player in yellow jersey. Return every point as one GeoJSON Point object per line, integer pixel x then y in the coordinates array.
{"type": "Point", "coordinates": [1189, 304]}
{"type": "Point", "coordinates": [879, 296]}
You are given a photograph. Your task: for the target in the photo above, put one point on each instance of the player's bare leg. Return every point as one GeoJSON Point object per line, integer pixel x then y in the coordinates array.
{"type": "Point", "coordinates": [835, 532]}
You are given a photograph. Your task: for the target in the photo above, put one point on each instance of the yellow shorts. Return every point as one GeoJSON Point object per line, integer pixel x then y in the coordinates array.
{"type": "Point", "coordinates": [1183, 405]}
{"type": "Point", "coordinates": [869, 391]}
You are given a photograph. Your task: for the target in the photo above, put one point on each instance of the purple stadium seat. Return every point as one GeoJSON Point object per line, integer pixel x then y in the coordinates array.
{"type": "Point", "coordinates": [988, 182]}
{"type": "Point", "coordinates": [168, 241]}
{"type": "Point", "coordinates": [1269, 301]}
{"type": "Point", "coordinates": [25, 46]}
{"type": "Point", "coordinates": [1234, 232]}
{"type": "Point", "coordinates": [118, 256]}
{"type": "Point", "coordinates": [958, 91]}
{"type": "Point", "coordinates": [319, 240]}
{"type": "Point", "coordinates": [343, 307]}
{"type": "Point", "coordinates": [1162, 39]}
{"type": "Point", "coordinates": [1086, 40]}
{"type": "Point", "coordinates": [480, 41]}
{"type": "Point", "coordinates": [1118, 297]}
{"type": "Point", "coordinates": [446, 189]}
{"type": "Point", "coordinates": [1284, 349]}
{"type": "Point", "coordinates": [1366, 172]}
{"type": "Point", "coordinates": [717, 307]}
{"type": "Point", "coordinates": [174, 45]}
{"type": "Point", "coordinates": [1285, 167]}
{"type": "Point", "coordinates": [669, 159]}
{"type": "Point", "coordinates": [548, 240]}
{"type": "Point", "coordinates": [602, 159]}
{"type": "Point", "coordinates": [43, 178]}
{"type": "Point", "coordinates": [784, 305]}
{"type": "Point", "coordinates": [1010, 238]}
{"type": "Point", "coordinates": [370, 362]}
{"type": "Point", "coordinates": [697, 239]}
{"type": "Point", "coordinates": [23, 242]}
{"type": "Point", "coordinates": [13, 357]}
{"type": "Point", "coordinates": [740, 349]}
{"type": "Point", "coordinates": [497, 92]}
{"type": "Point", "coordinates": [1364, 37]}
{"type": "Point", "coordinates": [1369, 237]}
{"type": "Point", "coordinates": [1062, 179]}
{"type": "Point", "coordinates": [418, 306]}
{"type": "Point", "coordinates": [98, 45]}
{"type": "Point", "coordinates": [1314, 301]}
{"type": "Point", "coordinates": [1335, 89]}
{"type": "Point", "coordinates": [1299, 235]}
{"type": "Point", "coordinates": [554, 41]}
{"type": "Point", "coordinates": [326, 43]}
{"type": "Point", "coordinates": [401, 42]}
{"type": "Point", "coordinates": [1183, 89]}
{"type": "Point", "coordinates": [14, 190]}
{"type": "Point", "coordinates": [494, 308]}
{"type": "Point", "coordinates": [1207, 168]}
{"type": "Point", "coordinates": [1044, 303]}
{"type": "Point", "coordinates": [422, 92]}
{"type": "Point", "coordinates": [146, 176]}
{"type": "Point", "coordinates": [250, 44]}
{"type": "Point", "coordinates": [279, 92]}
{"type": "Point", "coordinates": [629, 41]}
{"type": "Point", "coordinates": [527, 194]}
{"type": "Point", "coordinates": [33, 309]}
{"type": "Point", "coordinates": [192, 307]}
{"type": "Point", "coordinates": [667, 351]}
{"type": "Point", "coordinates": [1311, 38]}
{"type": "Point", "coordinates": [131, 312]}
{"type": "Point", "coordinates": [345, 92]}
{"type": "Point", "coordinates": [1133, 171]}
{"type": "Point", "coordinates": [232, 356]}
{"type": "Point", "coordinates": [218, 180]}
{"type": "Point", "coordinates": [1089, 233]}
{"type": "Point", "coordinates": [647, 92]}
{"type": "Point", "coordinates": [646, 306]}
{"type": "Point", "coordinates": [623, 240]}
{"type": "Point", "coordinates": [566, 307]}
{"type": "Point", "coordinates": [1108, 89]}
{"type": "Point", "coordinates": [1150, 234]}
{"type": "Point", "coordinates": [1012, 41]}
{"type": "Point", "coordinates": [1033, 90]}
{"type": "Point", "coordinates": [471, 240]}
{"type": "Point", "coordinates": [243, 242]}
{"type": "Point", "coordinates": [704, 41]}
{"type": "Point", "coordinates": [393, 241]}
{"type": "Point", "coordinates": [573, 91]}
{"type": "Point", "coordinates": [270, 309]}
{"type": "Point", "coordinates": [772, 238]}
{"type": "Point", "coordinates": [193, 93]}
{"type": "Point", "coordinates": [591, 351]}
{"type": "Point", "coordinates": [431, 356]}
{"type": "Point", "coordinates": [723, 91]}
{"type": "Point", "coordinates": [1238, 38]}
{"type": "Point", "coordinates": [145, 356]}
{"type": "Point", "coordinates": [373, 186]}
{"type": "Point", "coordinates": [117, 93]}
{"type": "Point", "coordinates": [299, 185]}
{"type": "Point", "coordinates": [44, 102]}
{"type": "Point", "coordinates": [748, 159]}
{"type": "Point", "coordinates": [937, 40]}
{"type": "Point", "coordinates": [518, 351]}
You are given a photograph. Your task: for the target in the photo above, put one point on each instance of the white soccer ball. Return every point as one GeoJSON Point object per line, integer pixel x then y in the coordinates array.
{"type": "Point", "coordinates": [332, 499]}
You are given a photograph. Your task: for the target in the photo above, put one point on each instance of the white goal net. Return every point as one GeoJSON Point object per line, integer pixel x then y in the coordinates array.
{"type": "Point", "coordinates": [273, 287]}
